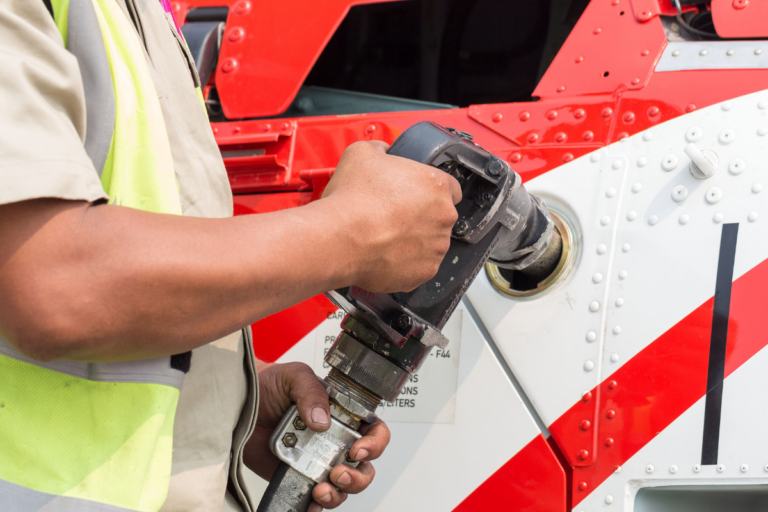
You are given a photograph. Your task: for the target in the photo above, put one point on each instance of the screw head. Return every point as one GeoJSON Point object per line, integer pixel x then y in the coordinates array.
{"type": "Point", "coordinates": [582, 486]}
{"type": "Point", "coordinates": [243, 7]}
{"type": "Point", "coordinates": [236, 35]}
{"type": "Point", "coordinates": [567, 157]}
{"type": "Point", "coordinates": [740, 4]}
{"type": "Point", "coordinates": [229, 65]}
{"type": "Point", "coordinates": [404, 321]}
{"type": "Point", "coordinates": [551, 114]}
{"type": "Point", "coordinates": [561, 137]}
{"type": "Point", "coordinates": [498, 116]}
{"type": "Point", "coordinates": [607, 112]}
{"type": "Point", "coordinates": [583, 454]}
{"type": "Point", "coordinates": [629, 117]}
{"type": "Point", "coordinates": [533, 138]}
{"type": "Point", "coordinates": [586, 397]}
{"type": "Point", "coordinates": [610, 414]}
{"type": "Point", "coordinates": [579, 113]}
{"type": "Point", "coordinates": [370, 129]}
{"type": "Point", "coordinates": [515, 157]}
{"type": "Point", "coordinates": [494, 168]}
{"type": "Point", "coordinates": [290, 439]}
{"type": "Point", "coordinates": [612, 384]}
{"type": "Point", "coordinates": [524, 115]}
{"type": "Point", "coordinates": [347, 457]}
{"type": "Point", "coordinates": [461, 228]}
{"type": "Point", "coordinates": [653, 111]}
{"type": "Point", "coordinates": [585, 424]}
{"type": "Point", "coordinates": [609, 442]}
{"type": "Point", "coordinates": [588, 136]}
{"type": "Point", "coordinates": [299, 424]}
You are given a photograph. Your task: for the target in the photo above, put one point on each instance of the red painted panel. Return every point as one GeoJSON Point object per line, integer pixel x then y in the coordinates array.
{"type": "Point", "coordinates": [531, 481]}
{"type": "Point", "coordinates": [740, 18]}
{"type": "Point", "coordinates": [655, 387]}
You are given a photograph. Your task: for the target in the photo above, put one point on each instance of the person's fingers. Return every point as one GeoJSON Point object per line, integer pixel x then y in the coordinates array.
{"type": "Point", "coordinates": [375, 439]}
{"type": "Point", "coordinates": [327, 496]}
{"type": "Point", "coordinates": [304, 389]}
{"type": "Point", "coordinates": [455, 190]}
{"type": "Point", "coordinates": [351, 480]}
{"type": "Point", "coordinates": [314, 507]}
{"type": "Point", "coordinates": [380, 145]}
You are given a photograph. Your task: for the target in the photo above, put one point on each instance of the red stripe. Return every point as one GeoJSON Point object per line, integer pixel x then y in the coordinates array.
{"type": "Point", "coordinates": [532, 480]}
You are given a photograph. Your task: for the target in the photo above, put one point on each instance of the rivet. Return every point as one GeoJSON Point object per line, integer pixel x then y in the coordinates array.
{"type": "Point", "coordinates": [498, 116]}
{"type": "Point", "coordinates": [614, 2]}
{"type": "Point", "coordinates": [669, 162]}
{"type": "Point", "coordinates": [579, 113]}
{"type": "Point", "coordinates": [650, 469]}
{"type": "Point", "coordinates": [756, 188]}
{"type": "Point", "coordinates": [752, 216]}
{"type": "Point", "coordinates": [766, 467]}
{"type": "Point", "coordinates": [533, 138]}
{"type": "Point", "coordinates": [610, 414]}
{"type": "Point", "coordinates": [679, 193]}
{"type": "Point", "coordinates": [597, 278]}
{"type": "Point", "coordinates": [606, 112]}
{"type": "Point", "coordinates": [594, 306]}
{"type": "Point", "coordinates": [591, 336]}
{"type": "Point", "coordinates": [584, 425]}
{"type": "Point", "coordinates": [673, 469]}
{"type": "Point", "coordinates": [726, 106]}
{"type": "Point", "coordinates": [642, 161]}
{"type": "Point", "coordinates": [236, 130]}
{"type": "Point", "coordinates": [609, 442]}
{"type": "Point", "coordinates": [589, 366]}
{"type": "Point", "coordinates": [740, 4]}
{"type": "Point", "coordinates": [608, 499]}
{"type": "Point", "coordinates": [614, 358]}
{"type": "Point", "coordinates": [612, 384]}
{"type": "Point", "coordinates": [266, 127]}
{"type": "Point", "coordinates": [632, 215]}
{"type": "Point", "coordinates": [610, 192]}
{"type": "Point", "coordinates": [690, 107]}
{"type": "Point", "coordinates": [561, 88]}
{"type": "Point", "coordinates": [720, 468]}
{"type": "Point", "coordinates": [588, 136]}
{"type": "Point", "coordinates": [744, 468]}
{"type": "Point", "coordinates": [762, 104]}
{"type": "Point", "coordinates": [617, 469]}
{"type": "Point", "coordinates": [582, 486]}
{"type": "Point", "coordinates": [625, 247]}
{"type": "Point", "coordinates": [727, 136]}
{"type": "Point", "coordinates": [645, 15]}
{"type": "Point", "coordinates": [617, 164]}
{"type": "Point", "coordinates": [243, 7]}
{"type": "Point", "coordinates": [586, 396]}
{"type": "Point", "coordinates": [601, 249]}
{"type": "Point", "coordinates": [762, 131]}
{"type": "Point", "coordinates": [758, 51]}
{"type": "Point", "coordinates": [579, 59]}
{"type": "Point", "coordinates": [215, 130]}
{"type": "Point", "coordinates": [684, 219]}
{"type": "Point", "coordinates": [623, 274]}
{"type": "Point", "coordinates": [637, 187]}
{"type": "Point", "coordinates": [229, 65]}
{"type": "Point", "coordinates": [730, 52]}
{"type": "Point", "coordinates": [594, 157]}
{"type": "Point", "coordinates": [561, 137]}
{"type": "Point", "coordinates": [635, 81]}
{"type": "Point", "coordinates": [629, 117]}
{"type": "Point", "coordinates": [697, 468]}
{"type": "Point", "coordinates": [567, 157]}
{"type": "Point", "coordinates": [176, 7]}
{"type": "Point", "coordinates": [647, 136]}
{"type": "Point", "coordinates": [583, 454]}
{"type": "Point", "coordinates": [515, 157]}
{"type": "Point", "coordinates": [713, 195]}
{"type": "Point", "coordinates": [605, 220]}
{"type": "Point", "coordinates": [619, 302]}
{"type": "Point", "coordinates": [703, 52]}
{"type": "Point", "coordinates": [524, 115]}
{"type": "Point", "coordinates": [717, 218]}
{"type": "Point", "coordinates": [644, 53]}
{"type": "Point", "coordinates": [737, 166]}
{"type": "Point", "coordinates": [694, 134]}
{"type": "Point", "coordinates": [653, 111]}
{"type": "Point", "coordinates": [621, 136]}
{"type": "Point", "coordinates": [551, 114]}
{"type": "Point", "coordinates": [597, 30]}
{"type": "Point", "coordinates": [676, 53]}
{"type": "Point", "coordinates": [236, 35]}
{"type": "Point", "coordinates": [652, 220]}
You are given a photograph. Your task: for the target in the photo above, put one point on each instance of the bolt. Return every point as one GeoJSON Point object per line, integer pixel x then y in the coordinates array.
{"type": "Point", "coordinates": [290, 439]}
{"type": "Point", "coordinates": [461, 228]}
{"type": "Point", "coordinates": [494, 168]}
{"type": "Point", "coordinates": [298, 424]}
{"type": "Point", "coordinates": [404, 321]}
{"type": "Point", "coordinates": [348, 458]}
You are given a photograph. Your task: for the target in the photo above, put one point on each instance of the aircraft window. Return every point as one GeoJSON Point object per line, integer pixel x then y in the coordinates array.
{"type": "Point", "coordinates": [702, 498]}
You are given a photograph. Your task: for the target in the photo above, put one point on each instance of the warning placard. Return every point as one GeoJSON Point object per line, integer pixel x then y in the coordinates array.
{"type": "Point", "coordinates": [430, 394]}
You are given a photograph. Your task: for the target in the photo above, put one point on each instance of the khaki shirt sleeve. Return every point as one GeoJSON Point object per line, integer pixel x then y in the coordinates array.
{"type": "Point", "coordinates": [42, 111]}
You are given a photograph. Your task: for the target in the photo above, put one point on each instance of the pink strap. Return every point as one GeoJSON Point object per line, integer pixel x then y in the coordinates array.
{"type": "Point", "coordinates": [167, 8]}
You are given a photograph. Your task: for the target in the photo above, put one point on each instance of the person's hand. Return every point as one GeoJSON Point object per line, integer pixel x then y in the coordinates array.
{"type": "Point", "coordinates": [281, 385]}
{"type": "Point", "coordinates": [402, 213]}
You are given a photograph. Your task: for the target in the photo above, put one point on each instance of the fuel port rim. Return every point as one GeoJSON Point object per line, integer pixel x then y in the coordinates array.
{"type": "Point", "coordinates": [503, 284]}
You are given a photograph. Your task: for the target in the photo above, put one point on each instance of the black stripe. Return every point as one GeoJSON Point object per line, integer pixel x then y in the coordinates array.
{"type": "Point", "coordinates": [717, 344]}
{"type": "Point", "coordinates": [49, 7]}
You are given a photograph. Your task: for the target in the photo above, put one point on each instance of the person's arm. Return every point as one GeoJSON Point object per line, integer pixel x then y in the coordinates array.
{"type": "Point", "coordinates": [105, 283]}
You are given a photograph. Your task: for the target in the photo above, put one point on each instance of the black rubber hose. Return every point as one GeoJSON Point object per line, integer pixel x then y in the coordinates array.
{"type": "Point", "coordinates": [288, 491]}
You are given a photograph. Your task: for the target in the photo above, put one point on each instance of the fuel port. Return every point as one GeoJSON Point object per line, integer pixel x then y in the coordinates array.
{"type": "Point", "coordinates": [531, 282]}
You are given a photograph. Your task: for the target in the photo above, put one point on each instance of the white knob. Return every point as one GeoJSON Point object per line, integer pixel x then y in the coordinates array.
{"type": "Point", "coordinates": [703, 163]}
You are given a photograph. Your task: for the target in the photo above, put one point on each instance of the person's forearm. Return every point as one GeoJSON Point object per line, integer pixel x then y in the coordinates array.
{"type": "Point", "coordinates": [101, 283]}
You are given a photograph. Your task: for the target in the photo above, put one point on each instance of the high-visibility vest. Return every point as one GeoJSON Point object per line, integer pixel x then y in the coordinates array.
{"type": "Point", "coordinates": [97, 437]}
